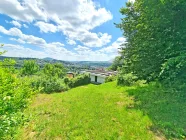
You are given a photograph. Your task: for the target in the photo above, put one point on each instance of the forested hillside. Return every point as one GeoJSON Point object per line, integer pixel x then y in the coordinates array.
{"type": "Point", "coordinates": [71, 65]}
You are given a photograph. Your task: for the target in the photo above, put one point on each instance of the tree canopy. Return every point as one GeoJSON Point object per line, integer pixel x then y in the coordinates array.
{"type": "Point", "coordinates": [30, 67]}
{"type": "Point", "coordinates": [54, 70]}
{"type": "Point", "coordinates": [156, 39]}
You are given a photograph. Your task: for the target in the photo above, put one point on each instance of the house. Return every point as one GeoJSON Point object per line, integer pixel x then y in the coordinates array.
{"type": "Point", "coordinates": [99, 76]}
{"type": "Point", "coordinates": [70, 74]}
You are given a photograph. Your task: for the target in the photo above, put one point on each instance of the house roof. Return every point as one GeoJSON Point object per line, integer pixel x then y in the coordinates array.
{"type": "Point", "coordinates": [70, 72]}
{"type": "Point", "coordinates": [102, 72]}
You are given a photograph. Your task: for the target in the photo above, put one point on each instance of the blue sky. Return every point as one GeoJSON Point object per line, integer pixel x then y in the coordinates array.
{"type": "Point", "coordinates": [65, 30]}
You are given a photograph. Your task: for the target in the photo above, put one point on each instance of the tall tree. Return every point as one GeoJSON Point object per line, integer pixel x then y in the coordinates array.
{"type": "Point", "coordinates": [156, 32]}
{"type": "Point", "coordinates": [54, 70]}
{"type": "Point", "coordinates": [118, 61]}
{"type": "Point", "coordinates": [30, 67]}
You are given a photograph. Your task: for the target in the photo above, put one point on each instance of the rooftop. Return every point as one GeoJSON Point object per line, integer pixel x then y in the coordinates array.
{"type": "Point", "coordinates": [102, 72]}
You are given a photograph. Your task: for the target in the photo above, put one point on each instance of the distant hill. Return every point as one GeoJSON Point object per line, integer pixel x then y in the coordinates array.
{"type": "Point", "coordinates": [48, 58]}
{"type": "Point", "coordinates": [72, 65]}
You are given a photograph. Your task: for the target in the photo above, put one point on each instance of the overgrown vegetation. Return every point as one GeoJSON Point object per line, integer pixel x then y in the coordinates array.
{"type": "Point", "coordinates": [110, 78]}
{"type": "Point", "coordinates": [155, 40]}
{"type": "Point", "coordinates": [79, 81]}
{"type": "Point", "coordinates": [29, 68]}
{"type": "Point", "coordinates": [15, 94]}
{"type": "Point", "coordinates": [165, 108]}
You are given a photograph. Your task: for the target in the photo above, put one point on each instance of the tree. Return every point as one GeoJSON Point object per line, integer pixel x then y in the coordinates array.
{"type": "Point", "coordinates": [116, 63]}
{"type": "Point", "coordinates": [2, 52]}
{"type": "Point", "coordinates": [54, 70]}
{"type": "Point", "coordinates": [155, 31]}
{"type": "Point", "coordinates": [30, 67]}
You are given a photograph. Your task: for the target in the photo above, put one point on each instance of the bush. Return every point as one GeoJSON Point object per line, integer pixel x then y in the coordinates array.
{"type": "Point", "coordinates": [15, 95]}
{"type": "Point", "coordinates": [126, 79]}
{"type": "Point", "coordinates": [48, 85]}
{"type": "Point", "coordinates": [110, 79]}
{"type": "Point", "coordinates": [79, 81]}
{"type": "Point", "coordinates": [66, 80]}
{"type": "Point", "coordinates": [54, 70]}
{"type": "Point", "coordinates": [30, 67]}
{"type": "Point", "coordinates": [173, 73]}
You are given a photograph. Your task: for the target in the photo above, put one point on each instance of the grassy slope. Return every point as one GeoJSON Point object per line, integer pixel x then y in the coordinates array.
{"type": "Point", "coordinates": [88, 112]}
{"type": "Point", "coordinates": [108, 112]}
{"type": "Point", "coordinates": [165, 107]}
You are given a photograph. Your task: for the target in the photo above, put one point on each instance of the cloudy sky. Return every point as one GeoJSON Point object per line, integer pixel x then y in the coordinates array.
{"type": "Point", "coordinates": [61, 29]}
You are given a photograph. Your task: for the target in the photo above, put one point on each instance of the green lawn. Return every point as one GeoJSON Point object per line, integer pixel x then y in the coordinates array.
{"type": "Point", "coordinates": [104, 112]}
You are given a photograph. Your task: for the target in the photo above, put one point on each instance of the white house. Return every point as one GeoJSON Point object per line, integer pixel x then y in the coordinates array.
{"type": "Point", "coordinates": [99, 76]}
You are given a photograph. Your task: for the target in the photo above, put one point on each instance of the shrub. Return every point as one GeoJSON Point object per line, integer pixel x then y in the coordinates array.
{"type": "Point", "coordinates": [30, 67]}
{"type": "Point", "coordinates": [80, 80]}
{"type": "Point", "coordinates": [54, 70]}
{"type": "Point", "coordinates": [126, 79]}
{"type": "Point", "coordinates": [48, 85]}
{"type": "Point", "coordinates": [66, 80]}
{"type": "Point", "coordinates": [110, 79]}
{"type": "Point", "coordinates": [173, 73]}
{"type": "Point", "coordinates": [15, 95]}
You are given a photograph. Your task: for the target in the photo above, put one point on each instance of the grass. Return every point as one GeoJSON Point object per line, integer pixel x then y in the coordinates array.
{"type": "Point", "coordinates": [107, 112]}
{"type": "Point", "coordinates": [87, 112]}
{"type": "Point", "coordinates": [165, 108]}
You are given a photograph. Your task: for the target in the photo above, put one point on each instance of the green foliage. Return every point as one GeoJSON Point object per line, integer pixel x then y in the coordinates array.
{"type": "Point", "coordinates": [66, 80]}
{"type": "Point", "coordinates": [164, 106]}
{"type": "Point", "coordinates": [48, 85]}
{"type": "Point", "coordinates": [14, 96]}
{"type": "Point", "coordinates": [110, 79]}
{"type": "Point", "coordinates": [30, 67]}
{"type": "Point", "coordinates": [118, 61]}
{"type": "Point", "coordinates": [174, 70]}
{"type": "Point", "coordinates": [2, 52]}
{"type": "Point", "coordinates": [155, 32]}
{"type": "Point", "coordinates": [54, 70]}
{"type": "Point", "coordinates": [8, 65]}
{"type": "Point", "coordinates": [126, 79]}
{"type": "Point", "coordinates": [80, 80]}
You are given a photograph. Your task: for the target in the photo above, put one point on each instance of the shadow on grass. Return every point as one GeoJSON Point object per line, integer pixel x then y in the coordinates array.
{"type": "Point", "coordinates": [165, 108]}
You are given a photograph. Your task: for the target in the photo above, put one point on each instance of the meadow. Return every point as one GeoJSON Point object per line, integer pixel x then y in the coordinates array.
{"type": "Point", "coordinates": [106, 111]}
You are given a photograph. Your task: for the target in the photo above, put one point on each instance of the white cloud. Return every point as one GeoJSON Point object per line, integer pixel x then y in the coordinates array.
{"type": "Point", "coordinates": [46, 27]}
{"type": "Point", "coordinates": [18, 40]}
{"type": "Point", "coordinates": [24, 25]}
{"type": "Point", "coordinates": [30, 39]}
{"type": "Point", "coordinates": [56, 50]}
{"type": "Point", "coordinates": [24, 10]}
{"type": "Point", "coordinates": [20, 51]}
{"type": "Point", "coordinates": [95, 40]}
{"type": "Point", "coordinates": [16, 23]}
{"type": "Point", "coordinates": [71, 42]}
{"type": "Point", "coordinates": [50, 51]}
{"type": "Point", "coordinates": [74, 18]}
{"type": "Point", "coordinates": [113, 49]}
{"type": "Point", "coordinates": [104, 54]}
{"type": "Point", "coordinates": [80, 49]}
